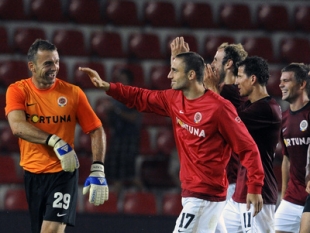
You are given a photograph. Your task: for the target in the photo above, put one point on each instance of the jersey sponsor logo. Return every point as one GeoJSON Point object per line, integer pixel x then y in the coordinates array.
{"type": "Point", "coordinates": [48, 119]}
{"type": "Point", "coordinates": [296, 141]}
{"type": "Point", "coordinates": [60, 215]}
{"type": "Point", "coordinates": [197, 117]}
{"type": "Point", "coordinates": [191, 129]}
{"type": "Point", "coordinates": [303, 125]}
{"type": "Point", "coordinates": [62, 101]}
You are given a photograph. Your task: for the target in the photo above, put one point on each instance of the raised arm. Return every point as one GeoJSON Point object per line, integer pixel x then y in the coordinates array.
{"type": "Point", "coordinates": [178, 45]}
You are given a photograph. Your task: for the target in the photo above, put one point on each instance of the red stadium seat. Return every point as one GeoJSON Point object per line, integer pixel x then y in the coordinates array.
{"type": "Point", "coordinates": [197, 15]}
{"type": "Point", "coordinates": [109, 207]}
{"type": "Point", "coordinates": [273, 83]}
{"type": "Point", "coordinates": [85, 11]}
{"type": "Point", "coordinates": [152, 119]}
{"type": "Point", "coordinates": [117, 13]}
{"type": "Point", "coordinates": [135, 68]}
{"type": "Point", "coordinates": [46, 11]}
{"type": "Point", "coordinates": [85, 164]}
{"type": "Point", "coordinates": [12, 71]}
{"type": "Point", "coordinates": [63, 71]}
{"type": "Point", "coordinates": [159, 77]}
{"type": "Point", "coordinates": [139, 203]}
{"type": "Point", "coordinates": [259, 46]}
{"type": "Point", "coordinates": [211, 44]}
{"type": "Point", "coordinates": [12, 10]}
{"type": "Point", "coordinates": [235, 16]}
{"type": "Point", "coordinates": [4, 45]}
{"type": "Point", "coordinates": [102, 107]}
{"type": "Point", "coordinates": [2, 106]}
{"type": "Point", "coordinates": [10, 172]}
{"type": "Point", "coordinates": [24, 38]}
{"type": "Point", "coordinates": [273, 17]}
{"type": "Point", "coordinates": [160, 14]}
{"type": "Point", "coordinates": [81, 79]}
{"type": "Point", "coordinates": [295, 50]}
{"type": "Point", "coordinates": [302, 18]}
{"type": "Point", "coordinates": [15, 200]}
{"type": "Point", "coordinates": [69, 42]}
{"type": "Point", "coordinates": [146, 147]}
{"type": "Point", "coordinates": [171, 203]}
{"type": "Point", "coordinates": [190, 39]}
{"type": "Point", "coordinates": [144, 46]}
{"type": "Point", "coordinates": [8, 142]}
{"type": "Point", "coordinates": [165, 143]}
{"type": "Point", "coordinates": [107, 44]}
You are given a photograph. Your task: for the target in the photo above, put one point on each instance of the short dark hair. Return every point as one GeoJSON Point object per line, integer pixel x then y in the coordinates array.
{"type": "Point", "coordinates": [39, 44]}
{"type": "Point", "coordinates": [234, 52]}
{"type": "Point", "coordinates": [301, 73]}
{"type": "Point", "coordinates": [256, 66]}
{"type": "Point", "coordinates": [193, 61]}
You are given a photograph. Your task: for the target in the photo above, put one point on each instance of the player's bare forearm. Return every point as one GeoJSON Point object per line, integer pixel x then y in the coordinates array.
{"type": "Point", "coordinates": [98, 144]}
{"type": "Point", "coordinates": [256, 200]}
{"type": "Point", "coordinates": [95, 78]}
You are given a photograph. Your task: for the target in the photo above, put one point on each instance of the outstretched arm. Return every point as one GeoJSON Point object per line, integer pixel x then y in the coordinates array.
{"type": "Point", "coordinates": [95, 78]}
{"type": "Point", "coordinates": [178, 45]}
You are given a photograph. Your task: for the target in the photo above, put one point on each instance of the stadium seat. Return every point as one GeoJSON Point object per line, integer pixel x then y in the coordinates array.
{"type": "Point", "coordinates": [47, 11]}
{"type": "Point", "coordinates": [273, 17]}
{"type": "Point", "coordinates": [273, 83]}
{"type": "Point", "coordinates": [152, 119]}
{"type": "Point", "coordinates": [165, 143]}
{"type": "Point", "coordinates": [117, 13]}
{"type": "Point", "coordinates": [107, 44]}
{"type": "Point", "coordinates": [159, 77]}
{"type": "Point", "coordinates": [135, 68]}
{"type": "Point", "coordinates": [259, 46]}
{"type": "Point", "coordinates": [211, 44]}
{"type": "Point", "coordinates": [144, 46]}
{"type": "Point", "coordinates": [4, 45]}
{"type": "Point", "coordinates": [302, 18]}
{"type": "Point", "coordinates": [2, 106]}
{"type": "Point", "coordinates": [145, 147]}
{"type": "Point", "coordinates": [171, 204]}
{"type": "Point", "coordinates": [12, 10]}
{"type": "Point", "coordinates": [102, 107]}
{"type": "Point", "coordinates": [63, 71]}
{"type": "Point", "coordinates": [24, 38]}
{"type": "Point", "coordinates": [69, 42]}
{"type": "Point", "coordinates": [85, 164]}
{"type": "Point", "coordinates": [85, 12]}
{"type": "Point", "coordinates": [197, 15]}
{"type": "Point", "coordinates": [160, 14]}
{"type": "Point", "coordinates": [235, 16]}
{"type": "Point", "coordinates": [15, 200]}
{"type": "Point", "coordinates": [295, 49]}
{"type": "Point", "coordinates": [12, 71]}
{"type": "Point", "coordinates": [9, 142]}
{"type": "Point", "coordinates": [81, 79]}
{"type": "Point", "coordinates": [109, 207]}
{"type": "Point", "coordinates": [139, 203]}
{"type": "Point", "coordinates": [10, 172]}
{"type": "Point", "coordinates": [190, 39]}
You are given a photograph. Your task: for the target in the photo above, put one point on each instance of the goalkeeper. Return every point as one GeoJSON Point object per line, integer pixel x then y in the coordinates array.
{"type": "Point", "coordinates": [43, 112]}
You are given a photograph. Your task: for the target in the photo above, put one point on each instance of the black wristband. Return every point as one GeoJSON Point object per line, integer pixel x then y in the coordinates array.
{"type": "Point", "coordinates": [48, 138]}
{"type": "Point", "coordinates": [98, 162]}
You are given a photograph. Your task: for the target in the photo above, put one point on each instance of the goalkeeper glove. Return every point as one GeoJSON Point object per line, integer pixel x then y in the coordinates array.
{"type": "Point", "coordinates": [97, 185]}
{"type": "Point", "coordinates": [65, 153]}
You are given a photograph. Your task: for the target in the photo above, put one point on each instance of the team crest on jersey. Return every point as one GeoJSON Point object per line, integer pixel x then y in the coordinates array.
{"type": "Point", "coordinates": [62, 101]}
{"type": "Point", "coordinates": [197, 117]}
{"type": "Point", "coordinates": [303, 125]}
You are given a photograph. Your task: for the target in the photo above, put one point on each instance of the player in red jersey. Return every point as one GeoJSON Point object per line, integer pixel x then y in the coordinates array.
{"type": "Point", "coordinates": [262, 116]}
{"type": "Point", "coordinates": [206, 127]}
{"type": "Point", "coordinates": [43, 112]}
{"type": "Point", "coordinates": [295, 139]}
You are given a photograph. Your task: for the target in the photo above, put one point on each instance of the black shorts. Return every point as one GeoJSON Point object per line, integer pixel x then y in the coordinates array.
{"type": "Point", "coordinates": [307, 205]}
{"type": "Point", "coordinates": [51, 197]}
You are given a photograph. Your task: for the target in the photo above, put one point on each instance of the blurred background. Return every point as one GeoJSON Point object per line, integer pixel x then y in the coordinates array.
{"type": "Point", "coordinates": [134, 35]}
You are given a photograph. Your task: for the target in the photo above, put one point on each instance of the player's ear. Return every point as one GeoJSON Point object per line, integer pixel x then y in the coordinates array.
{"type": "Point", "coordinates": [31, 66]}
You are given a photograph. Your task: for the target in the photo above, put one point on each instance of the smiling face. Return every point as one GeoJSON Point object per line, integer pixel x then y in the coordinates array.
{"type": "Point", "coordinates": [244, 82]}
{"type": "Point", "coordinates": [45, 68]}
{"type": "Point", "coordinates": [289, 87]}
{"type": "Point", "coordinates": [217, 66]}
{"type": "Point", "coordinates": [179, 79]}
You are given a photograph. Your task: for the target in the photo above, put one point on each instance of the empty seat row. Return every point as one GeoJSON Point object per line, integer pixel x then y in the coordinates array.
{"type": "Point", "coordinates": [158, 14]}
{"type": "Point", "coordinates": [137, 203]}
{"type": "Point", "coordinates": [148, 45]}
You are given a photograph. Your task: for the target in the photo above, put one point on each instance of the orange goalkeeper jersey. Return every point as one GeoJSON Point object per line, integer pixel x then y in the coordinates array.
{"type": "Point", "coordinates": [57, 111]}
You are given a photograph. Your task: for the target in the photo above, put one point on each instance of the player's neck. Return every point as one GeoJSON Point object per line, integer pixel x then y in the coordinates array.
{"type": "Point", "coordinates": [299, 103]}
